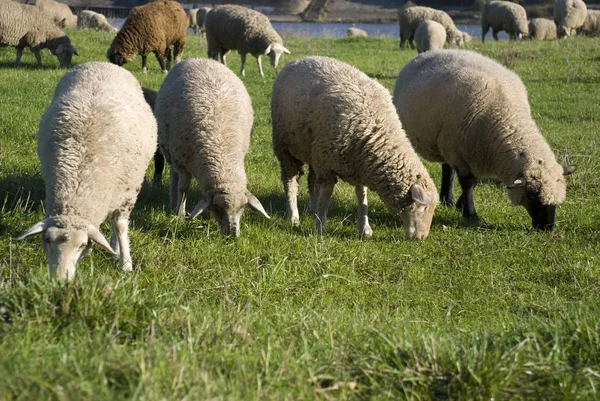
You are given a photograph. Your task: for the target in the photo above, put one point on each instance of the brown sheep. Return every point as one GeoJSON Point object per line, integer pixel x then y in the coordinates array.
{"type": "Point", "coordinates": [151, 28]}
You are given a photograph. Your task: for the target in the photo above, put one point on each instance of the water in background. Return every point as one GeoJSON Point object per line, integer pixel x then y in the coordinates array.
{"type": "Point", "coordinates": [338, 30]}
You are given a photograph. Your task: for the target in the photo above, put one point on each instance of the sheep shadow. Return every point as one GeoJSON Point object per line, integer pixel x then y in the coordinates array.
{"type": "Point", "coordinates": [20, 193]}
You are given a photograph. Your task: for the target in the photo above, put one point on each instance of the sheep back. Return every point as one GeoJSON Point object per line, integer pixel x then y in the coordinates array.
{"type": "Point", "coordinates": [410, 18]}
{"type": "Point", "coordinates": [95, 142]}
{"type": "Point", "coordinates": [430, 35]}
{"type": "Point", "coordinates": [356, 32]}
{"type": "Point", "coordinates": [542, 29]}
{"type": "Point", "coordinates": [59, 13]}
{"type": "Point", "coordinates": [239, 28]}
{"type": "Point", "coordinates": [94, 20]}
{"type": "Point", "coordinates": [152, 27]}
{"type": "Point", "coordinates": [504, 16]}
{"type": "Point", "coordinates": [482, 126]}
{"type": "Point", "coordinates": [569, 15]}
{"type": "Point", "coordinates": [591, 26]}
{"type": "Point", "coordinates": [333, 117]}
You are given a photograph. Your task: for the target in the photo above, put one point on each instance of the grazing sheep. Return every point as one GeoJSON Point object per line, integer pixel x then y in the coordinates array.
{"type": "Point", "coordinates": [26, 26]}
{"type": "Point", "coordinates": [342, 123]}
{"type": "Point", "coordinates": [94, 143]}
{"type": "Point", "coordinates": [159, 159]}
{"type": "Point", "coordinates": [59, 13]}
{"type": "Point", "coordinates": [353, 31]}
{"type": "Point", "coordinates": [542, 29]}
{"type": "Point", "coordinates": [94, 20]}
{"type": "Point", "coordinates": [205, 117]}
{"type": "Point", "coordinates": [430, 35]}
{"type": "Point", "coordinates": [197, 19]}
{"type": "Point", "coordinates": [232, 27]}
{"type": "Point", "coordinates": [410, 19]}
{"type": "Point", "coordinates": [569, 15]}
{"type": "Point", "coordinates": [482, 127]}
{"type": "Point", "coordinates": [151, 28]}
{"type": "Point", "coordinates": [591, 26]}
{"type": "Point", "coordinates": [504, 16]}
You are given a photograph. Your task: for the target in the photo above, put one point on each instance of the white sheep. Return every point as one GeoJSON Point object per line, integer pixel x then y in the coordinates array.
{"type": "Point", "coordinates": [94, 20]}
{"type": "Point", "coordinates": [341, 123]}
{"type": "Point", "coordinates": [482, 127]}
{"type": "Point", "coordinates": [356, 32]}
{"type": "Point", "coordinates": [430, 35]}
{"type": "Point", "coordinates": [504, 16]}
{"type": "Point", "coordinates": [205, 117]}
{"type": "Point", "coordinates": [591, 26]}
{"type": "Point", "coordinates": [26, 26]}
{"type": "Point", "coordinates": [569, 15]}
{"type": "Point", "coordinates": [95, 142]}
{"type": "Point", "coordinates": [410, 18]}
{"type": "Point", "coordinates": [197, 18]}
{"type": "Point", "coordinates": [542, 29]}
{"type": "Point", "coordinates": [232, 27]}
{"type": "Point", "coordinates": [59, 13]}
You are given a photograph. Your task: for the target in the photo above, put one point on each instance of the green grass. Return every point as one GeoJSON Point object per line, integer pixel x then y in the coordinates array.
{"type": "Point", "coordinates": [496, 311]}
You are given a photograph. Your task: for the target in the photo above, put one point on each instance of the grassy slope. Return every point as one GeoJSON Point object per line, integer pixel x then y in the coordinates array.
{"type": "Point", "coordinates": [490, 311]}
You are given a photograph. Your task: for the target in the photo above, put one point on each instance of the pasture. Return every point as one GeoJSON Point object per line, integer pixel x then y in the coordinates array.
{"type": "Point", "coordinates": [493, 311]}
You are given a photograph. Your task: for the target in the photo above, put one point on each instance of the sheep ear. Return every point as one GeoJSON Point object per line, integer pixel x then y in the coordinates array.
{"type": "Point", "coordinates": [59, 49]}
{"type": "Point", "coordinates": [418, 194]}
{"type": "Point", "coordinates": [255, 204]}
{"type": "Point", "coordinates": [96, 237]}
{"type": "Point", "coordinates": [268, 49]}
{"type": "Point", "coordinates": [285, 50]}
{"type": "Point", "coordinates": [201, 206]}
{"type": "Point", "coordinates": [35, 229]}
{"type": "Point", "coordinates": [568, 170]}
{"type": "Point", "coordinates": [75, 52]}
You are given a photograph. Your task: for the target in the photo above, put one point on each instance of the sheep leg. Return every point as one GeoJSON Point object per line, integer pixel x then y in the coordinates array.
{"type": "Point", "coordinates": [183, 186]}
{"type": "Point", "coordinates": [161, 61]}
{"type": "Point", "coordinates": [411, 42]}
{"type": "Point", "coordinates": [465, 202]}
{"type": "Point", "coordinates": [223, 54]}
{"type": "Point", "coordinates": [114, 237]}
{"type": "Point", "coordinates": [177, 51]}
{"type": "Point", "coordinates": [290, 171]}
{"type": "Point", "coordinates": [312, 190]}
{"type": "Point", "coordinates": [260, 70]}
{"type": "Point", "coordinates": [19, 55]}
{"type": "Point", "coordinates": [243, 57]}
{"type": "Point", "coordinates": [38, 57]}
{"type": "Point", "coordinates": [446, 194]}
{"type": "Point", "coordinates": [121, 224]}
{"type": "Point", "coordinates": [174, 182]}
{"type": "Point", "coordinates": [495, 34]}
{"type": "Point", "coordinates": [144, 60]}
{"type": "Point", "coordinates": [364, 229]}
{"type": "Point", "coordinates": [325, 185]}
{"type": "Point", "coordinates": [402, 42]}
{"type": "Point", "coordinates": [484, 31]}
{"type": "Point", "coordinates": [169, 58]}
{"type": "Point", "coordinates": [159, 166]}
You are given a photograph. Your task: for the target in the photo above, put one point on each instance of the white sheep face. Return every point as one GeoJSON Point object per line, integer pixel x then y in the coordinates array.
{"type": "Point", "coordinates": [274, 51]}
{"type": "Point", "coordinates": [64, 248]}
{"type": "Point", "coordinates": [418, 215]}
{"type": "Point", "coordinates": [227, 209]}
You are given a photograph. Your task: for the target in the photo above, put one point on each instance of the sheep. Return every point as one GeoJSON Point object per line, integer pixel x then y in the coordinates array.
{"type": "Point", "coordinates": [430, 35]}
{"type": "Point", "coordinates": [542, 29]}
{"type": "Point", "coordinates": [232, 27]}
{"type": "Point", "coordinates": [591, 26]}
{"type": "Point", "coordinates": [569, 15]}
{"type": "Point", "coordinates": [329, 115]}
{"type": "Point", "coordinates": [159, 159]}
{"type": "Point", "coordinates": [95, 142]}
{"type": "Point", "coordinates": [59, 13]}
{"type": "Point", "coordinates": [205, 117]}
{"type": "Point", "coordinates": [26, 26]}
{"type": "Point", "coordinates": [410, 19]}
{"type": "Point", "coordinates": [356, 32]}
{"type": "Point", "coordinates": [153, 27]}
{"type": "Point", "coordinates": [94, 20]}
{"type": "Point", "coordinates": [482, 127]}
{"type": "Point", "coordinates": [197, 19]}
{"type": "Point", "coordinates": [504, 16]}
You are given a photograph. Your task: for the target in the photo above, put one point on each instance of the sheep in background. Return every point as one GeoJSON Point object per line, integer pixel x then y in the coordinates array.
{"type": "Point", "coordinates": [232, 27]}
{"type": "Point", "coordinates": [482, 127]}
{"type": "Point", "coordinates": [151, 28]}
{"type": "Point", "coordinates": [356, 32]}
{"type": "Point", "coordinates": [542, 29]}
{"type": "Point", "coordinates": [205, 117]}
{"type": "Point", "coordinates": [343, 124]}
{"type": "Point", "coordinates": [410, 19]}
{"type": "Point", "coordinates": [569, 15]}
{"type": "Point", "coordinates": [95, 141]}
{"type": "Point", "coordinates": [591, 26]}
{"type": "Point", "coordinates": [159, 159]}
{"type": "Point", "coordinates": [26, 26]}
{"type": "Point", "coordinates": [94, 20]}
{"type": "Point", "coordinates": [504, 16]}
{"type": "Point", "coordinates": [59, 13]}
{"type": "Point", "coordinates": [197, 19]}
{"type": "Point", "coordinates": [430, 35]}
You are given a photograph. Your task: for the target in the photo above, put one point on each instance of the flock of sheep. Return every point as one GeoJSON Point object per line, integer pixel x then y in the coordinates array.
{"type": "Point", "coordinates": [98, 135]}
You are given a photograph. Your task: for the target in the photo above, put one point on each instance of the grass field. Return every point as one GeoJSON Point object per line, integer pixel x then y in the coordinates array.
{"type": "Point", "coordinates": [495, 311]}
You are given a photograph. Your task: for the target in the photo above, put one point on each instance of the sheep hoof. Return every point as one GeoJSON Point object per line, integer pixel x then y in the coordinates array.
{"type": "Point", "coordinates": [145, 70]}
{"type": "Point", "coordinates": [165, 72]}
{"type": "Point", "coordinates": [471, 221]}
{"type": "Point", "coordinates": [295, 222]}
{"type": "Point", "coordinates": [127, 267]}
{"type": "Point", "coordinates": [447, 201]}
{"type": "Point", "coordinates": [365, 232]}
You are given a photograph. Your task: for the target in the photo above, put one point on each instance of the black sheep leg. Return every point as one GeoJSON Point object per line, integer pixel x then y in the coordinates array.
{"type": "Point", "coordinates": [465, 202]}
{"type": "Point", "coordinates": [447, 193]}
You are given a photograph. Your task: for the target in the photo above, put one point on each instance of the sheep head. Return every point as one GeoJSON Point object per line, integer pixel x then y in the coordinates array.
{"type": "Point", "coordinates": [417, 217]}
{"type": "Point", "coordinates": [274, 51]}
